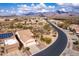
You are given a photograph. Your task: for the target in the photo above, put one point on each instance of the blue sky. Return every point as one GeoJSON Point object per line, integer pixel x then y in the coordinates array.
{"type": "Point", "coordinates": [9, 5]}
{"type": "Point", "coordinates": [23, 8]}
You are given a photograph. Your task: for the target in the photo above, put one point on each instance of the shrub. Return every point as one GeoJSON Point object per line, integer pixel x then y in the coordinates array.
{"type": "Point", "coordinates": [26, 49]}
{"type": "Point", "coordinates": [47, 40]}
{"type": "Point", "coordinates": [47, 27]}
{"type": "Point", "coordinates": [76, 43]}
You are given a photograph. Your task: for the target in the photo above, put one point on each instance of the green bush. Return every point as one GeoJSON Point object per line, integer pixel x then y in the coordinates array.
{"type": "Point", "coordinates": [19, 25]}
{"type": "Point", "coordinates": [47, 27]}
{"type": "Point", "coordinates": [47, 40]}
{"type": "Point", "coordinates": [76, 43]}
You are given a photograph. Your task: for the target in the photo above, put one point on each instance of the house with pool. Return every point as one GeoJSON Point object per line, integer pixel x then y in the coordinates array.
{"type": "Point", "coordinates": [8, 43]}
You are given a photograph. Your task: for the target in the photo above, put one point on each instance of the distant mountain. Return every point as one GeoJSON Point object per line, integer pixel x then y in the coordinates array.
{"type": "Point", "coordinates": [60, 11]}
{"type": "Point", "coordinates": [30, 13]}
{"type": "Point", "coordinates": [33, 14]}
{"type": "Point", "coordinates": [8, 15]}
{"type": "Point", "coordinates": [42, 14]}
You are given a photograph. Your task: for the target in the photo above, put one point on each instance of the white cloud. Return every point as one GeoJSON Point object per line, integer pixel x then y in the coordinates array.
{"type": "Point", "coordinates": [20, 11]}
{"type": "Point", "coordinates": [7, 11]}
{"type": "Point", "coordinates": [63, 9]}
{"type": "Point", "coordinates": [32, 5]}
{"type": "Point", "coordinates": [40, 8]}
{"type": "Point", "coordinates": [42, 5]}
{"type": "Point", "coordinates": [23, 7]}
{"type": "Point", "coordinates": [43, 10]}
{"type": "Point", "coordinates": [51, 7]}
{"type": "Point", "coordinates": [75, 4]}
{"type": "Point", "coordinates": [68, 4]}
{"type": "Point", "coordinates": [2, 10]}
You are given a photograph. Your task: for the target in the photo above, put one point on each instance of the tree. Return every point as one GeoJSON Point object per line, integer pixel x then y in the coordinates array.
{"type": "Point", "coordinates": [47, 27]}
{"type": "Point", "coordinates": [16, 19]}
{"type": "Point", "coordinates": [47, 40]}
{"type": "Point", "coordinates": [42, 39]}
{"type": "Point", "coordinates": [25, 22]}
{"type": "Point", "coordinates": [36, 20]}
{"type": "Point", "coordinates": [11, 25]}
{"type": "Point", "coordinates": [26, 49]}
{"type": "Point", "coordinates": [19, 25]}
{"type": "Point", "coordinates": [7, 19]}
{"type": "Point", "coordinates": [76, 43]}
{"type": "Point", "coordinates": [25, 27]}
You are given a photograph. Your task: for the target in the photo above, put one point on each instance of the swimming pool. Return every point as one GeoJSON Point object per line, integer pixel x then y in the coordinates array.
{"type": "Point", "coordinates": [5, 35]}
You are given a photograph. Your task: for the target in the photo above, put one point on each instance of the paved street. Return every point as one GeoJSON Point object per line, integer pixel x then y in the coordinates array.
{"type": "Point", "coordinates": [57, 47]}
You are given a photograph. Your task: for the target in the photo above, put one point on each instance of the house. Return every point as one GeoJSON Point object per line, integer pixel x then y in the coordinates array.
{"type": "Point", "coordinates": [75, 27]}
{"type": "Point", "coordinates": [8, 43]}
{"type": "Point", "coordinates": [77, 30]}
{"type": "Point", "coordinates": [26, 37]}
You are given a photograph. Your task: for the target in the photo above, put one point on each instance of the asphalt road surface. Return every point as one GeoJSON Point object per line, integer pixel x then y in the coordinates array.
{"type": "Point", "coordinates": [57, 47]}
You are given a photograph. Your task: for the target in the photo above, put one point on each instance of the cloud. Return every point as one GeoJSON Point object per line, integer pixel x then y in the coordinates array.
{"type": "Point", "coordinates": [2, 10]}
{"type": "Point", "coordinates": [38, 8]}
{"type": "Point", "coordinates": [43, 10]}
{"type": "Point", "coordinates": [24, 7]}
{"type": "Point", "coordinates": [63, 9]}
{"type": "Point", "coordinates": [74, 7]}
{"type": "Point", "coordinates": [68, 4]}
{"type": "Point", "coordinates": [51, 7]}
{"type": "Point", "coordinates": [7, 11]}
{"type": "Point", "coordinates": [75, 4]}
{"type": "Point", "coordinates": [42, 5]}
{"type": "Point", "coordinates": [32, 5]}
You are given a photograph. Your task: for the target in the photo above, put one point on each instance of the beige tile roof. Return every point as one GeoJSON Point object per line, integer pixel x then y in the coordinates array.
{"type": "Point", "coordinates": [25, 35]}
